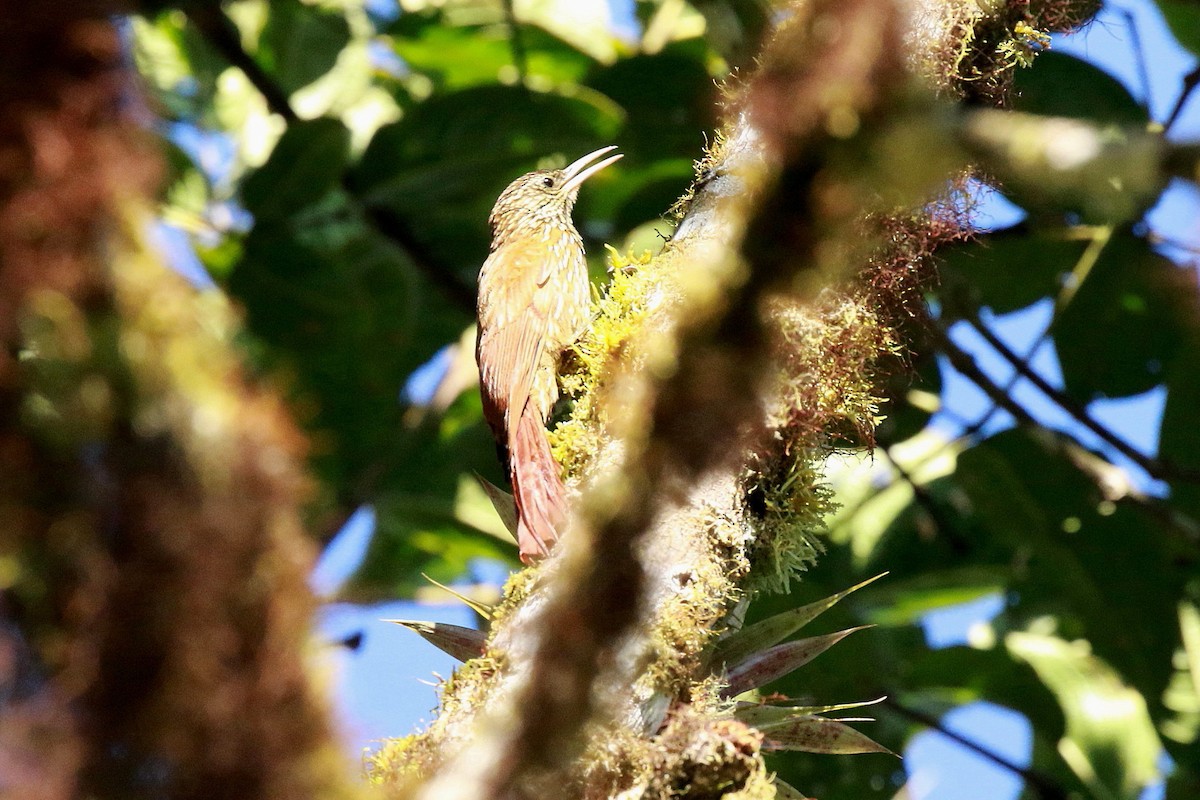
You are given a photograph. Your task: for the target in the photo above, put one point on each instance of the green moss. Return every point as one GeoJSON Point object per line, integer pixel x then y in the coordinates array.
{"type": "Point", "coordinates": [619, 313]}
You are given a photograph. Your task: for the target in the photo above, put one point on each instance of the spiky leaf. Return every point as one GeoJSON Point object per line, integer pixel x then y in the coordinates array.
{"type": "Point", "coordinates": [737, 646]}
{"type": "Point", "coordinates": [453, 640]}
{"type": "Point", "coordinates": [761, 716]}
{"type": "Point", "coordinates": [785, 791]}
{"type": "Point", "coordinates": [503, 502]}
{"type": "Point", "coordinates": [819, 735]}
{"type": "Point", "coordinates": [775, 662]}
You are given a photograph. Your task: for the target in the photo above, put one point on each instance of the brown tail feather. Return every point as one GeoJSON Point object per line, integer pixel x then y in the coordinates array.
{"type": "Point", "coordinates": [537, 488]}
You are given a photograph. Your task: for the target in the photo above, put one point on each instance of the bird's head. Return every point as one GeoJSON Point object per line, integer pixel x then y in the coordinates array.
{"type": "Point", "coordinates": [545, 195]}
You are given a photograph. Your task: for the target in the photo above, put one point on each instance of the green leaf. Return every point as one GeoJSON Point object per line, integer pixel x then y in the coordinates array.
{"type": "Point", "coordinates": [737, 646]}
{"type": "Point", "coordinates": [419, 526]}
{"type": "Point", "coordinates": [455, 57]}
{"type": "Point", "coordinates": [306, 164]}
{"type": "Point", "coordinates": [349, 318]}
{"type": "Point", "coordinates": [1184, 20]}
{"type": "Point", "coordinates": [1125, 322]}
{"type": "Point", "coordinates": [301, 42]}
{"type": "Point", "coordinates": [762, 667]}
{"type": "Point", "coordinates": [956, 676]}
{"type": "Point", "coordinates": [819, 735]}
{"type": "Point", "coordinates": [668, 98]}
{"type": "Point", "coordinates": [1060, 85]}
{"type": "Point", "coordinates": [1007, 270]}
{"type": "Point", "coordinates": [1110, 740]}
{"type": "Point", "coordinates": [453, 640]}
{"type": "Point", "coordinates": [1103, 571]}
{"type": "Point", "coordinates": [448, 159]}
{"type": "Point", "coordinates": [1179, 435]}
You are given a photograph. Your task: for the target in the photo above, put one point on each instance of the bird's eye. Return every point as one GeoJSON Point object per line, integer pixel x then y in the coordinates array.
{"type": "Point", "coordinates": [548, 182]}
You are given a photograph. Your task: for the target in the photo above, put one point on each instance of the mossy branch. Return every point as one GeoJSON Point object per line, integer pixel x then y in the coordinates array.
{"type": "Point", "coordinates": [717, 375]}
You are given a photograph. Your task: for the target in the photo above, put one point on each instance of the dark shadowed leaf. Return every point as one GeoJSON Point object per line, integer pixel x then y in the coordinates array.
{"type": "Point", "coordinates": [301, 42]}
{"type": "Point", "coordinates": [1184, 19]}
{"type": "Point", "coordinates": [445, 163]}
{"type": "Point", "coordinates": [349, 318]}
{"type": "Point", "coordinates": [668, 98]}
{"type": "Point", "coordinates": [1125, 323]}
{"type": "Point", "coordinates": [1060, 85]}
{"type": "Point", "coordinates": [1067, 540]}
{"type": "Point", "coordinates": [307, 162]}
{"type": "Point", "coordinates": [1179, 435]}
{"type": "Point", "coordinates": [1008, 269]}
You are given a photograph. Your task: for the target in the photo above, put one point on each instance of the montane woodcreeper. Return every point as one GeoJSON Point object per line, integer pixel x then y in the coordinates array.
{"type": "Point", "coordinates": [534, 301]}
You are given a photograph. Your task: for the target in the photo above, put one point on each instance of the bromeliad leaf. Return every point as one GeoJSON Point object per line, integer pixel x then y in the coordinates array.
{"type": "Point", "coordinates": [819, 735]}
{"type": "Point", "coordinates": [775, 662]}
{"type": "Point", "coordinates": [454, 640]}
{"type": "Point", "coordinates": [503, 502]}
{"type": "Point", "coordinates": [482, 609]}
{"type": "Point", "coordinates": [785, 791]}
{"type": "Point", "coordinates": [763, 716]}
{"type": "Point", "coordinates": [737, 646]}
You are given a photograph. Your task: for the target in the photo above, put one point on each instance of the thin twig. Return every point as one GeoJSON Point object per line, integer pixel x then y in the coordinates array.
{"type": "Point", "coordinates": [223, 36]}
{"type": "Point", "coordinates": [1045, 785]}
{"type": "Point", "coordinates": [1178, 523]}
{"type": "Point", "coordinates": [1139, 55]}
{"type": "Point", "coordinates": [515, 41]}
{"type": "Point", "coordinates": [944, 524]}
{"type": "Point", "coordinates": [1190, 81]}
{"type": "Point", "coordinates": [1153, 467]}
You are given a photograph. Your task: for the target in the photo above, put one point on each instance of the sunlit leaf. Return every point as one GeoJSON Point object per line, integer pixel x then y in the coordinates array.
{"type": "Point", "coordinates": [459, 56]}
{"type": "Point", "coordinates": [763, 716]}
{"type": "Point", "coordinates": [1110, 740]}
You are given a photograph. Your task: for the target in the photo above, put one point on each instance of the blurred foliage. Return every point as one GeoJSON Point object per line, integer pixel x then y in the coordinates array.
{"type": "Point", "coordinates": [352, 234]}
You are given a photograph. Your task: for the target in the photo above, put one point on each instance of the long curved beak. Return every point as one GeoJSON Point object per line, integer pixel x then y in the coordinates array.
{"type": "Point", "coordinates": [575, 172]}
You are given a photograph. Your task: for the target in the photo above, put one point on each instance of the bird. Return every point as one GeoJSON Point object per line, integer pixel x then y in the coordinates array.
{"type": "Point", "coordinates": [534, 301]}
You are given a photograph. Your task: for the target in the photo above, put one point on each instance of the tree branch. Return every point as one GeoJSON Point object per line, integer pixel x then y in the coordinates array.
{"type": "Point", "coordinates": [1153, 467]}
{"type": "Point", "coordinates": [1179, 524]}
{"type": "Point", "coordinates": [223, 35]}
{"type": "Point", "coordinates": [1046, 787]}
